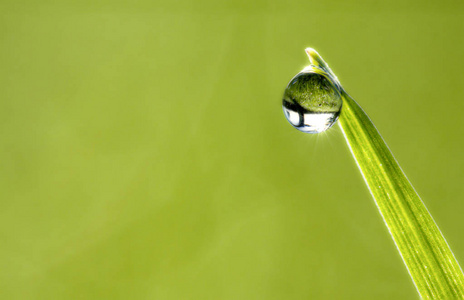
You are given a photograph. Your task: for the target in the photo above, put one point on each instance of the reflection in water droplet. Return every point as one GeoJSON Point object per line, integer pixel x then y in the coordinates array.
{"type": "Point", "coordinates": [312, 102]}
{"type": "Point", "coordinates": [310, 122]}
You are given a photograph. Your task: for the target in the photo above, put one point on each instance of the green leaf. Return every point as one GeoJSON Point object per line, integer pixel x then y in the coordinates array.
{"type": "Point", "coordinates": [428, 258]}
{"type": "Point", "coordinates": [430, 262]}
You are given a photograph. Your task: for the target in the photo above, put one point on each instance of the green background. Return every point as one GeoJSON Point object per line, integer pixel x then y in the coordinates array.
{"type": "Point", "coordinates": [144, 153]}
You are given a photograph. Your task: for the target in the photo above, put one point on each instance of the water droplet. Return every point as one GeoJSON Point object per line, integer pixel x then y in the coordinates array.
{"type": "Point", "coordinates": [312, 101]}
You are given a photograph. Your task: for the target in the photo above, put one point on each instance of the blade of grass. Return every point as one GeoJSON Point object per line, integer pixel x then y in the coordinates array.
{"type": "Point", "coordinates": [428, 258]}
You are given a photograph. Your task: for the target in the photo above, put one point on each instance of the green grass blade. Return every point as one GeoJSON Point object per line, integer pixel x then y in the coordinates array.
{"type": "Point", "coordinates": [430, 262]}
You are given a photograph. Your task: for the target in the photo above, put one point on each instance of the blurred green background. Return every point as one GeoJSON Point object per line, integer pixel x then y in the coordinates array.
{"type": "Point", "coordinates": [144, 153]}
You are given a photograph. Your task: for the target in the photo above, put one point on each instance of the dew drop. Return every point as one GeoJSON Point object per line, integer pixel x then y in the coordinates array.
{"type": "Point", "coordinates": [311, 102]}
